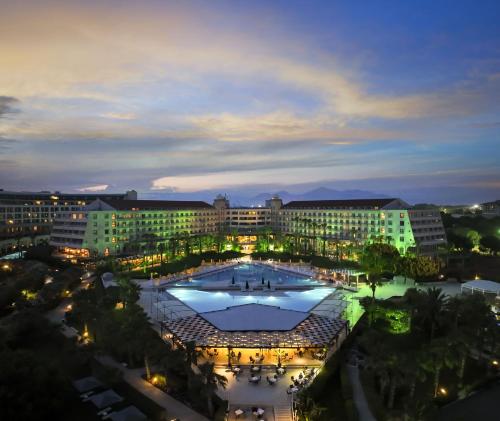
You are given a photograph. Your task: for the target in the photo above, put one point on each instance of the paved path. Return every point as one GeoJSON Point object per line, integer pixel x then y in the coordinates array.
{"type": "Point", "coordinates": [364, 412]}
{"type": "Point", "coordinates": [174, 408]}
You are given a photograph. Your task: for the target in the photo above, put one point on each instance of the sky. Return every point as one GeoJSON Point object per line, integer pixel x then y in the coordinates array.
{"type": "Point", "coordinates": [168, 97]}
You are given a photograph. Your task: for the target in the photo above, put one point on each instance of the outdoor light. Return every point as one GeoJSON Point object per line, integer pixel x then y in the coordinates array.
{"type": "Point", "coordinates": [443, 391]}
{"type": "Point", "coordinates": [6, 267]}
{"type": "Point", "coordinates": [494, 362]}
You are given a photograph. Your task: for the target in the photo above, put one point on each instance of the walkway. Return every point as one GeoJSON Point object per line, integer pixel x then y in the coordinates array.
{"type": "Point", "coordinates": [364, 412]}
{"type": "Point", "coordinates": [174, 408]}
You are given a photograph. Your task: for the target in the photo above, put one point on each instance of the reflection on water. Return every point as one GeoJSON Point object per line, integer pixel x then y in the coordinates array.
{"type": "Point", "coordinates": [202, 301]}
{"type": "Point", "coordinates": [252, 273]}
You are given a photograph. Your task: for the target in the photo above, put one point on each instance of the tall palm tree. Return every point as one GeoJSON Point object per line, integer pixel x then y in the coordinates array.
{"type": "Point", "coordinates": [432, 308]}
{"type": "Point", "coordinates": [211, 381]}
{"type": "Point", "coordinates": [192, 353]}
{"type": "Point", "coordinates": [435, 358]}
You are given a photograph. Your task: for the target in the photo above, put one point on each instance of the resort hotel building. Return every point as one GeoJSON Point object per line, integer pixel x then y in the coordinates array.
{"type": "Point", "coordinates": [119, 227]}
{"type": "Point", "coordinates": [26, 218]}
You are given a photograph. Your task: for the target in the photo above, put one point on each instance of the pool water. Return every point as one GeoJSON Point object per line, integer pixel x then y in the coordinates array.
{"type": "Point", "coordinates": [253, 274]}
{"type": "Point", "coordinates": [202, 301]}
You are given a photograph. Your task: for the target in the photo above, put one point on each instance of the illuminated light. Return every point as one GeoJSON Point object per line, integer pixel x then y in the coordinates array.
{"type": "Point", "coordinates": [69, 307]}
{"type": "Point", "coordinates": [476, 277]}
{"type": "Point", "coordinates": [443, 391]}
{"type": "Point", "coordinates": [154, 380]}
{"type": "Point", "coordinates": [494, 362]}
{"type": "Point", "coordinates": [6, 267]}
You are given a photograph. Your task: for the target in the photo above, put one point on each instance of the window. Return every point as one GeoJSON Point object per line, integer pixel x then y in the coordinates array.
{"type": "Point", "coordinates": [402, 223]}
{"type": "Point", "coordinates": [401, 215]}
{"type": "Point", "coordinates": [402, 239]}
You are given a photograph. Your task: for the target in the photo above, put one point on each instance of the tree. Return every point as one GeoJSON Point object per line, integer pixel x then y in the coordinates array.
{"type": "Point", "coordinates": [492, 243]}
{"type": "Point", "coordinates": [211, 381]}
{"type": "Point", "coordinates": [308, 409]}
{"type": "Point", "coordinates": [460, 242]}
{"type": "Point", "coordinates": [417, 267]}
{"type": "Point", "coordinates": [130, 292]}
{"type": "Point", "coordinates": [376, 259]}
{"type": "Point", "coordinates": [430, 309]}
{"type": "Point", "coordinates": [31, 388]}
{"type": "Point", "coordinates": [435, 358]}
{"type": "Point", "coordinates": [192, 353]}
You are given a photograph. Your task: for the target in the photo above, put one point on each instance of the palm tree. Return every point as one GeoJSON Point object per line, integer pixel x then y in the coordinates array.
{"type": "Point", "coordinates": [211, 381]}
{"type": "Point", "coordinates": [432, 308]}
{"type": "Point", "coordinates": [192, 353]}
{"type": "Point", "coordinates": [308, 409]}
{"type": "Point", "coordinates": [396, 377]}
{"type": "Point", "coordinates": [435, 358]}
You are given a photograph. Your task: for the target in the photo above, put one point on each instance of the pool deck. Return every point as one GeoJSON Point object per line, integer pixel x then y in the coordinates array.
{"type": "Point", "coordinates": [207, 270]}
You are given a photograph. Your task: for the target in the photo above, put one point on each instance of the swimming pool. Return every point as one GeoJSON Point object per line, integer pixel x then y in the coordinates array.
{"type": "Point", "coordinates": [202, 301]}
{"type": "Point", "coordinates": [252, 273]}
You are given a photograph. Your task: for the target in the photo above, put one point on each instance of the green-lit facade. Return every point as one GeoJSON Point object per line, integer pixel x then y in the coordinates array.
{"type": "Point", "coordinates": [127, 227]}
{"type": "Point", "coordinates": [102, 229]}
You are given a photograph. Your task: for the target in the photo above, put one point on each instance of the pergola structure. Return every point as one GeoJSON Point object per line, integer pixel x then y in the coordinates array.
{"type": "Point", "coordinates": [309, 331]}
{"type": "Point", "coordinates": [483, 286]}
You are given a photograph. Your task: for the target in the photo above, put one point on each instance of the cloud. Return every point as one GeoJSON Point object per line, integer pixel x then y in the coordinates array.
{"type": "Point", "coordinates": [285, 126]}
{"type": "Point", "coordinates": [119, 116]}
{"type": "Point", "coordinates": [7, 104]}
{"type": "Point", "coordinates": [99, 187]}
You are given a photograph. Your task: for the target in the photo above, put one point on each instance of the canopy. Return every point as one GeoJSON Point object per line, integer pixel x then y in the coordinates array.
{"type": "Point", "coordinates": [482, 286]}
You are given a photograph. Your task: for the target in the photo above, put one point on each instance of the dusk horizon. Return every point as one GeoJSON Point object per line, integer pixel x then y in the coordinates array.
{"type": "Point", "coordinates": [165, 97]}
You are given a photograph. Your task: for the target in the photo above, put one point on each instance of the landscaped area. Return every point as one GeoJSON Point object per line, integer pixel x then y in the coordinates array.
{"type": "Point", "coordinates": [219, 332]}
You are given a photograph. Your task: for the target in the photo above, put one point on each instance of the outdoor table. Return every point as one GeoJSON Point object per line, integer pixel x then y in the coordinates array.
{"type": "Point", "coordinates": [260, 411]}
{"type": "Point", "coordinates": [255, 368]}
{"type": "Point", "coordinates": [280, 370]}
{"type": "Point", "coordinates": [236, 369]}
{"type": "Point", "coordinates": [254, 378]}
{"type": "Point", "coordinates": [272, 380]}
{"type": "Point", "coordinates": [238, 412]}
{"type": "Point", "coordinates": [294, 389]}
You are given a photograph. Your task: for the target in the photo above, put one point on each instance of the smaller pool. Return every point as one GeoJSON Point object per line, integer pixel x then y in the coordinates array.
{"type": "Point", "coordinates": [251, 273]}
{"type": "Point", "coordinates": [202, 301]}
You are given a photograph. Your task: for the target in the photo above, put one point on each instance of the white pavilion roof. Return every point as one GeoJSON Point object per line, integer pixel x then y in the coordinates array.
{"type": "Point", "coordinates": [483, 285]}
{"type": "Point", "coordinates": [254, 317]}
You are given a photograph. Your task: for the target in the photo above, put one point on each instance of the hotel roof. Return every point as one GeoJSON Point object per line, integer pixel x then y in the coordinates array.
{"type": "Point", "coordinates": [254, 317]}
{"type": "Point", "coordinates": [157, 204]}
{"type": "Point", "coordinates": [314, 331]}
{"type": "Point", "coordinates": [347, 204]}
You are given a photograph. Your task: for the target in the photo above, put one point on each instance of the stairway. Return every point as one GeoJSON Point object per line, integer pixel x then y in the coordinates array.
{"type": "Point", "coordinates": [282, 413]}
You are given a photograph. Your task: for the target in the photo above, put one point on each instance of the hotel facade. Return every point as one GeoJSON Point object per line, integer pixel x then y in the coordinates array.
{"type": "Point", "coordinates": [119, 227]}
{"type": "Point", "coordinates": [26, 218]}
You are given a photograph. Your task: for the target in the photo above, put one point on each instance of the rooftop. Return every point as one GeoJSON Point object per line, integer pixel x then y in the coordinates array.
{"type": "Point", "coordinates": [254, 317]}
{"type": "Point", "coordinates": [483, 285]}
{"type": "Point", "coordinates": [157, 204]}
{"type": "Point", "coordinates": [314, 332]}
{"type": "Point", "coordinates": [350, 203]}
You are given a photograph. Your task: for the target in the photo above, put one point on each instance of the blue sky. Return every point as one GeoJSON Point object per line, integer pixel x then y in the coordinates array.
{"type": "Point", "coordinates": [164, 96]}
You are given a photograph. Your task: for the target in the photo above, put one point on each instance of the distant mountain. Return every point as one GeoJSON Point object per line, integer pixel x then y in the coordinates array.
{"type": "Point", "coordinates": [239, 198]}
